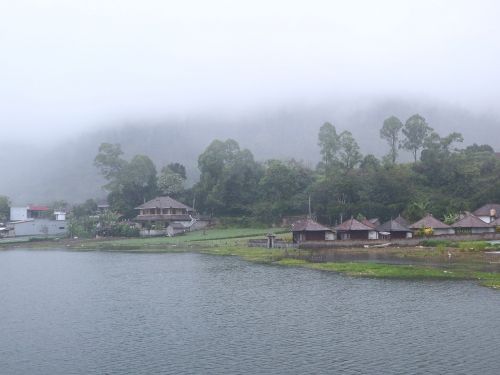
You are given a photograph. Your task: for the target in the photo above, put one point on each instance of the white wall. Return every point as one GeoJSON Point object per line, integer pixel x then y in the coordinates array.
{"type": "Point", "coordinates": [440, 231]}
{"type": "Point", "coordinates": [18, 213]}
{"type": "Point", "coordinates": [40, 227]}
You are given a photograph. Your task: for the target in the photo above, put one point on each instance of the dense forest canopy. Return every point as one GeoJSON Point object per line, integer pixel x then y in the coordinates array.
{"type": "Point", "coordinates": [443, 178]}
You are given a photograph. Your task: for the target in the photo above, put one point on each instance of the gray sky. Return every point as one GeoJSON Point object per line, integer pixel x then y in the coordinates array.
{"type": "Point", "coordinates": [67, 65]}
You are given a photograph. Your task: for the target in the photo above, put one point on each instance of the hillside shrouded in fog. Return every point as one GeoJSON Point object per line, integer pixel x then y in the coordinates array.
{"type": "Point", "coordinates": [65, 170]}
{"type": "Point", "coordinates": [166, 78]}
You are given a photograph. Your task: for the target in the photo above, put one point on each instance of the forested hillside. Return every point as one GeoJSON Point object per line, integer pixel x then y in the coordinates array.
{"type": "Point", "coordinates": [43, 170]}
{"type": "Point", "coordinates": [444, 178]}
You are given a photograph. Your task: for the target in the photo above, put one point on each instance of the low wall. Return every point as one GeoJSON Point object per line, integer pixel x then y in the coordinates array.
{"type": "Point", "coordinates": [398, 242]}
{"type": "Point", "coordinates": [152, 232]}
{"type": "Point", "coordinates": [39, 227]}
{"type": "Point", "coordinates": [278, 244]}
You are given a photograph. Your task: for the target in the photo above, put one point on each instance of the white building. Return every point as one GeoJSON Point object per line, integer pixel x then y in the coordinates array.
{"type": "Point", "coordinates": [35, 220]}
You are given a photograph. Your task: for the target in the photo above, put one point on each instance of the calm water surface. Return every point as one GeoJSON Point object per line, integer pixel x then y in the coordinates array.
{"type": "Point", "coordinates": [130, 313]}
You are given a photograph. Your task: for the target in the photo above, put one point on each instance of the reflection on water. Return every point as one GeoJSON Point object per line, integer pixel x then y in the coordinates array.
{"type": "Point", "coordinates": [119, 313]}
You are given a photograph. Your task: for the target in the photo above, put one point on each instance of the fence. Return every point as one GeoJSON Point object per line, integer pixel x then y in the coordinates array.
{"type": "Point", "coordinates": [278, 244]}
{"type": "Point", "coordinates": [398, 242]}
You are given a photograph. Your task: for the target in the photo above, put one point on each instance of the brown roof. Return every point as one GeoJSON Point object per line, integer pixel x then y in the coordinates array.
{"type": "Point", "coordinates": [485, 210]}
{"type": "Point", "coordinates": [353, 225]}
{"type": "Point", "coordinates": [369, 223]}
{"type": "Point", "coordinates": [392, 226]}
{"type": "Point", "coordinates": [470, 221]}
{"type": "Point", "coordinates": [308, 225]}
{"type": "Point", "coordinates": [429, 221]}
{"type": "Point", "coordinates": [163, 202]}
{"type": "Point", "coordinates": [401, 220]}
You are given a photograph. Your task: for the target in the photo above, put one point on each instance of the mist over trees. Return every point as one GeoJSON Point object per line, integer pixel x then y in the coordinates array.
{"type": "Point", "coordinates": [444, 180]}
{"type": "Point", "coordinates": [41, 171]}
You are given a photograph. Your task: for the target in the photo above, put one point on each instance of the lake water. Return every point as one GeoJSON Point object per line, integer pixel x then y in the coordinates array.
{"type": "Point", "coordinates": [135, 313]}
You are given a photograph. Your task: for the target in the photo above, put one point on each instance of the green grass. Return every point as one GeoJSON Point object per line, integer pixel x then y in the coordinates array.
{"type": "Point", "coordinates": [213, 237]}
{"type": "Point", "coordinates": [402, 272]}
{"type": "Point", "coordinates": [462, 245]}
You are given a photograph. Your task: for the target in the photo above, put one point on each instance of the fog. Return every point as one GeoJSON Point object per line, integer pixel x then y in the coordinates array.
{"type": "Point", "coordinates": [267, 73]}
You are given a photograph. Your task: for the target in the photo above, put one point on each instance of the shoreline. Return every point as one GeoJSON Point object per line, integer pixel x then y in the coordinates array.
{"type": "Point", "coordinates": [414, 263]}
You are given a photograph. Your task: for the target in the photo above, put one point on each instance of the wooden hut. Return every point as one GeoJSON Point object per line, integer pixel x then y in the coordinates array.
{"type": "Point", "coordinates": [310, 230]}
{"type": "Point", "coordinates": [353, 229]}
{"type": "Point", "coordinates": [393, 229]}
{"type": "Point", "coordinates": [471, 224]}
{"type": "Point", "coordinates": [429, 221]}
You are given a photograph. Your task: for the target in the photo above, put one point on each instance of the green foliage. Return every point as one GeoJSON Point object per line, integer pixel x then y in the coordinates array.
{"type": "Point", "coordinates": [329, 144]}
{"type": "Point", "coordinates": [85, 209]}
{"type": "Point", "coordinates": [390, 132]}
{"type": "Point", "coordinates": [4, 208]}
{"type": "Point", "coordinates": [106, 224]}
{"type": "Point", "coordinates": [177, 168]}
{"type": "Point", "coordinates": [451, 218]}
{"type": "Point", "coordinates": [282, 190]}
{"type": "Point", "coordinates": [229, 179]}
{"type": "Point", "coordinates": [349, 155]}
{"type": "Point", "coordinates": [172, 179]}
{"type": "Point", "coordinates": [129, 183]}
{"type": "Point", "coordinates": [473, 245]}
{"type": "Point", "coordinates": [415, 130]}
{"type": "Point", "coordinates": [445, 181]}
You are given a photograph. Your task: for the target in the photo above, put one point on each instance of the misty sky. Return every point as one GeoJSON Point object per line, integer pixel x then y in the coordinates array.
{"type": "Point", "coordinates": [67, 65]}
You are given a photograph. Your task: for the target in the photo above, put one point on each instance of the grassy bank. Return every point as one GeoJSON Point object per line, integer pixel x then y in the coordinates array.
{"type": "Point", "coordinates": [359, 269]}
{"type": "Point", "coordinates": [200, 239]}
{"type": "Point", "coordinates": [402, 272]}
{"type": "Point", "coordinates": [233, 242]}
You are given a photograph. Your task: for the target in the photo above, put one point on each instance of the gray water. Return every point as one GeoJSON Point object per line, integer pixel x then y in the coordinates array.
{"type": "Point", "coordinates": [131, 313]}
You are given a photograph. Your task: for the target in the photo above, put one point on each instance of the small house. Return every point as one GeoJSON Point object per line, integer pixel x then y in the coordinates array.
{"type": "Point", "coordinates": [353, 229]}
{"type": "Point", "coordinates": [471, 224]}
{"type": "Point", "coordinates": [310, 230]}
{"type": "Point", "coordinates": [392, 229]}
{"type": "Point", "coordinates": [167, 216]}
{"type": "Point", "coordinates": [488, 213]}
{"type": "Point", "coordinates": [430, 222]}
{"type": "Point", "coordinates": [31, 211]}
{"type": "Point", "coordinates": [162, 211]}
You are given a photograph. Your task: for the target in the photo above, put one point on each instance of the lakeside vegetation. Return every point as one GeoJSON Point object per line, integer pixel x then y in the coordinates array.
{"type": "Point", "coordinates": [468, 259]}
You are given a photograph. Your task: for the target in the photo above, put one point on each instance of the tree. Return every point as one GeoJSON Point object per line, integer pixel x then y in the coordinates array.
{"type": "Point", "coordinates": [129, 183]}
{"type": "Point", "coordinates": [228, 180]}
{"type": "Point", "coordinates": [177, 168]}
{"type": "Point", "coordinates": [349, 155]}
{"type": "Point", "coordinates": [88, 208]}
{"type": "Point", "coordinates": [415, 131]}
{"type": "Point", "coordinates": [283, 190]}
{"type": "Point", "coordinates": [4, 208]}
{"type": "Point", "coordinates": [171, 179]}
{"type": "Point", "coordinates": [109, 160]}
{"type": "Point", "coordinates": [329, 144]}
{"type": "Point", "coordinates": [370, 162]}
{"type": "Point", "coordinates": [390, 132]}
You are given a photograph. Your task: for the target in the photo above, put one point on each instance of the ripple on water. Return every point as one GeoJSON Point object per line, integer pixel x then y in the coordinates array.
{"type": "Point", "coordinates": [119, 313]}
